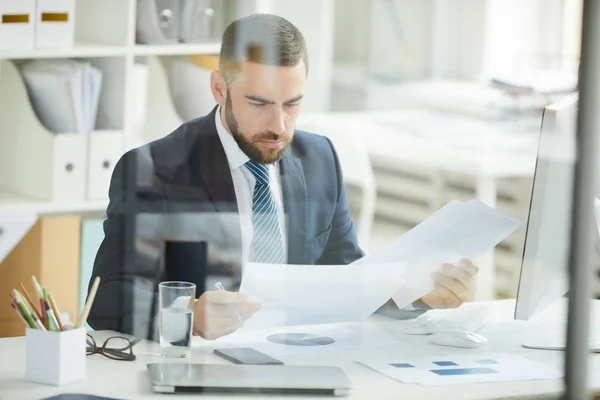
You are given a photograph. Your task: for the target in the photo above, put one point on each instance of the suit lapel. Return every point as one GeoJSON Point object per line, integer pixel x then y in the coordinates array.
{"type": "Point", "coordinates": [198, 166]}
{"type": "Point", "coordinates": [212, 166]}
{"type": "Point", "coordinates": [295, 202]}
{"type": "Point", "coordinates": [210, 163]}
{"type": "Point", "coordinates": [194, 167]}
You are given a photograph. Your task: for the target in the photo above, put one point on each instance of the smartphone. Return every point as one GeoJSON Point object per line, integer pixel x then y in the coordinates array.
{"type": "Point", "coordinates": [246, 356]}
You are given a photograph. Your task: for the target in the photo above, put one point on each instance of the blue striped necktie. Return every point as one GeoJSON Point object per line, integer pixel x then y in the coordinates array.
{"type": "Point", "coordinates": [267, 242]}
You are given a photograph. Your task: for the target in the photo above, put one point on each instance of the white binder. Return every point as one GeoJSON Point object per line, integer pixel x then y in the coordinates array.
{"type": "Point", "coordinates": [17, 22]}
{"type": "Point", "coordinates": [55, 24]}
{"type": "Point", "coordinates": [105, 149]}
{"type": "Point", "coordinates": [34, 161]}
{"type": "Point", "coordinates": [69, 167]}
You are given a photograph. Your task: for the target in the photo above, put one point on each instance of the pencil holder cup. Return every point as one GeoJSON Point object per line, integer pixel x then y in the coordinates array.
{"type": "Point", "coordinates": [55, 358]}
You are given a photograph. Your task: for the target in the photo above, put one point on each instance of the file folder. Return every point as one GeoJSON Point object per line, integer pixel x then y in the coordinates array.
{"type": "Point", "coordinates": [64, 93]}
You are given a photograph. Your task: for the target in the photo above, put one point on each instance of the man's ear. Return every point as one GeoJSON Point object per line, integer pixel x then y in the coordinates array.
{"type": "Point", "coordinates": [218, 87]}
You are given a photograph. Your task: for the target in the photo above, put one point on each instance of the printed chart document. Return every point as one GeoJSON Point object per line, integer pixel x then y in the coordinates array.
{"type": "Point", "coordinates": [317, 294]}
{"type": "Point", "coordinates": [309, 339]}
{"type": "Point", "coordinates": [13, 227]}
{"type": "Point", "coordinates": [457, 230]}
{"type": "Point", "coordinates": [452, 370]}
{"type": "Point", "coordinates": [313, 339]}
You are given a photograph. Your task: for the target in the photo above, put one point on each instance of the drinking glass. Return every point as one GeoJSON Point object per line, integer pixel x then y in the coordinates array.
{"type": "Point", "coordinates": [176, 317]}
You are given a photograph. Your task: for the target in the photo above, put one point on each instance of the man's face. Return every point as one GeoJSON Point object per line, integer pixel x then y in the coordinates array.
{"type": "Point", "coordinates": [261, 108]}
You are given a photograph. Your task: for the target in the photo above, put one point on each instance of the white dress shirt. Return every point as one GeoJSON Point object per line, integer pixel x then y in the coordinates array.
{"type": "Point", "coordinates": [243, 185]}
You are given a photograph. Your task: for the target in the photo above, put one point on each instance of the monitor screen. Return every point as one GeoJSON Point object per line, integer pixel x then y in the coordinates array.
{"type": "Point", "coordinates": [544, 270]}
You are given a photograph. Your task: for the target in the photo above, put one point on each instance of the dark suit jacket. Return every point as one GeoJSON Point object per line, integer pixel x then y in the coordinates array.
{"type": "Point", "coordinates": [173, 200]}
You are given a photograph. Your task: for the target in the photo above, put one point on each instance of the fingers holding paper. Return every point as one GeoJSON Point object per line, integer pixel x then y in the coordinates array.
{"type": "Point", "coordinates": [214, 314]}
{"type": "Point", "coordinates": [453, 285]}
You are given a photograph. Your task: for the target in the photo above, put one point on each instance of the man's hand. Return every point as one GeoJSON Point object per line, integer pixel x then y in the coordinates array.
{"type": "Point", "coordinates": [452, 286]}
{"type": "Point", "coordinates": [212, 318]}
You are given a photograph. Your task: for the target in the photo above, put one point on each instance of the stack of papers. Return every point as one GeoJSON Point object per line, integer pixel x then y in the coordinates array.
{"type": "Point", "coordinates": [541, 81]}
{"type": "Point", "coordinates": [64, 93]}
{"type": "Point", "coordinates": [451, 370]}
{"type": "Point", "coordinates": [325, 294]}
{"type": "Point", "coordinates": [457, 230]}
{"type": "Point", "coordinates": [317, 294]}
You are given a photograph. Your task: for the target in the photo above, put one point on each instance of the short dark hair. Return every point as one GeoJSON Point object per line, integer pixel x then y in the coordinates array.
{"type": "Point", "coordinates": [261, 38]}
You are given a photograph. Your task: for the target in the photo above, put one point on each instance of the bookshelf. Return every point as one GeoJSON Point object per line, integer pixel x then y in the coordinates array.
{"type": "Point", "coordinates": [177, 49]}
{"type": "Point", "coordinates": [105, 36]}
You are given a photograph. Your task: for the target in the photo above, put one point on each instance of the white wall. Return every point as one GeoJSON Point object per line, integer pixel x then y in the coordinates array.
{"type": "Point", "coordinates": [525, 34]}
{"type": "Point", "coordinates": [401, 35]}
{"type": "Point", "coordinates": [457, 43]}
{"type": "Point", "coordinates": [412, 39]}
{"type": "Point", "coordinates": [315, 19]}
{"type": "Point", "coordinates": [352, 31]}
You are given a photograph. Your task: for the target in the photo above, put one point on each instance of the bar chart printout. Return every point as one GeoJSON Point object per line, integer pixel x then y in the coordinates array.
{"type": "Point", "coordinates": [451, 370]}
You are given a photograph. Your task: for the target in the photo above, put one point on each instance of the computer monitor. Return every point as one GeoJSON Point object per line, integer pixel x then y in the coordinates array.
{"type": "Point", "coordinates": [544, 269]}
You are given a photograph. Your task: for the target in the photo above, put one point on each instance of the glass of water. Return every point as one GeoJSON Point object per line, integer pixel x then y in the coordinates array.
{"type": "Point", "coordinates": [176, 304]}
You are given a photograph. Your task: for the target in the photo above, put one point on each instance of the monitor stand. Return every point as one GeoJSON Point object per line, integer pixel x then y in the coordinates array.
{"type": "Point", "coordinates": [548, 330]}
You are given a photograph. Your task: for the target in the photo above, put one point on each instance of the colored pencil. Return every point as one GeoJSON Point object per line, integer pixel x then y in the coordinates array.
{"type": "Point", "coordinates": [30, 302]}
{"type": "Point", "coordinates": [20, 313]}
{"type": "Point", "coordinates": [37, 287]}
{"type": "Point", "coordinates": [56, 312]}
{"type": "Point", "coordinates": [23, 309]}
{"type": "Point", "coordinates": [88, 304]}
{"type": "Point", "coordinates": [51, 320]}
{"type": "Point", "coordinates": [27, 312]}
{"type": "Point", "coordinates": [44, 317]}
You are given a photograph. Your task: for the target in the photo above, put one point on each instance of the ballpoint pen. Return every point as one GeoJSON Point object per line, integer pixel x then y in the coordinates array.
{"type": "Point", "coordinates": [231, 308]}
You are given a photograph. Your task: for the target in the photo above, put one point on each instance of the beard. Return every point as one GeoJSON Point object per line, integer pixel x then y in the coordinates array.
{"type": "Point", "coordinates": [251, 147]}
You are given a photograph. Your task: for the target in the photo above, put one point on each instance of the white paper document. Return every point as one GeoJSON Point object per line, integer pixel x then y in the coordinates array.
{"type": "Point", "coordinates": [457, 230]}
{"type": "Point", "coordinates": [317, 294]}
{"type": "Point", "coordinates": [311, 339]}
{"type": "Point", "coordinates": [64, 93]}
{"type": "Point", "coordinates": [452, 370]}
{"type": "Point", "coordinates": [297, 340]}
{"type": "Point", "coordinates": [13, 227]}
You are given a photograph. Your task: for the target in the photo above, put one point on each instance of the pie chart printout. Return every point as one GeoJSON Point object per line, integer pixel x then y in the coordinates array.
{"type": "Point", "coordinates": [300, 339]}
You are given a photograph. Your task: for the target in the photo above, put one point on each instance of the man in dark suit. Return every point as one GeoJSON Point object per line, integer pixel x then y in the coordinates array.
{"type": "Point", "coordinates": [240, 181]}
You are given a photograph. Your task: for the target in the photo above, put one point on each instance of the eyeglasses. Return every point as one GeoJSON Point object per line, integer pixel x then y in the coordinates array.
{"type": "Point", "coordinates": [115, 347]}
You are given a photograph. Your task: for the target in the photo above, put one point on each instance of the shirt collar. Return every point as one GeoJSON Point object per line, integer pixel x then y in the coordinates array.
{"type": "Point", "coordinates": [235, 156]}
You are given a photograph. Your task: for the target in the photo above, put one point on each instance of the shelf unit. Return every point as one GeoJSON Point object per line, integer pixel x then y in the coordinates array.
{"type": "Point", "coordinates": [105, 36]}
{"type": "Point", "coordinates": [177, 49]}
{"type": "Point", "coordinates": [79, 50]}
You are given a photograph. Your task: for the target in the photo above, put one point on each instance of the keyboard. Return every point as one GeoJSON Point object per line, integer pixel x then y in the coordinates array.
{"type": "Point", "coordinates": [469, 317]}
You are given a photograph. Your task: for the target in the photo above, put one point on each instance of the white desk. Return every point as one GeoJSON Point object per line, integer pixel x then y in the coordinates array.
{"type": "Point", "coordinates": [128, 380]}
